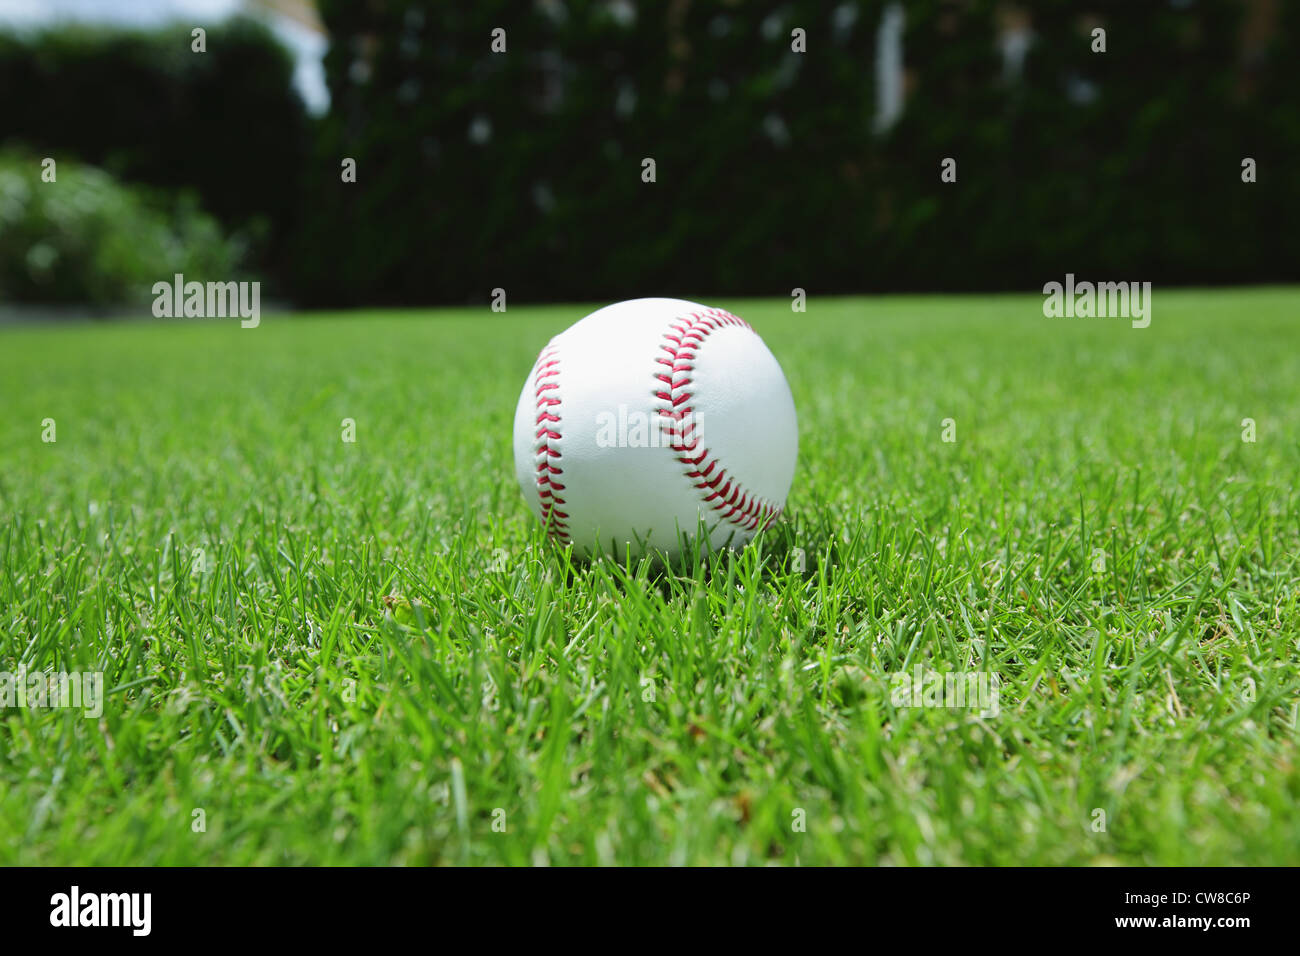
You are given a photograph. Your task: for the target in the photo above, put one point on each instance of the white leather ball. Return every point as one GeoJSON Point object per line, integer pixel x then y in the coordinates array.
{"type": "Point", "coordinates": [649, 416]}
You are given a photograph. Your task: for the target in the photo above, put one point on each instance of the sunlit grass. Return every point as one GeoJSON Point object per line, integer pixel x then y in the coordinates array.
{"type": "Point", "coordinates": [365, 652]}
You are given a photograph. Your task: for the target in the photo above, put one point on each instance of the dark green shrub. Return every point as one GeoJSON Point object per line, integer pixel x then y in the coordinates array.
{"type": "Point", "coordinates": [87, 239]}
{"type": "Point", "coordinates": [226, 124]}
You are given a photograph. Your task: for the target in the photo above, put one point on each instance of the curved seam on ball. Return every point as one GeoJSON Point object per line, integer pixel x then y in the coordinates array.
{"type": "Point", "coordinates": [546, 389]}
{"type": "Point", "coordinates": [722, 493]}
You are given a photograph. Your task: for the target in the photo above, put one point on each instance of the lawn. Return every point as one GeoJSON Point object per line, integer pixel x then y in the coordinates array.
{"type": "Point", "coordinates": [321, 651]}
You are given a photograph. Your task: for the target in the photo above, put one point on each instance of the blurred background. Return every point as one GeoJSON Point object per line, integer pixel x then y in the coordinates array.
{"type": "Point", "coordinates": [775, 167]}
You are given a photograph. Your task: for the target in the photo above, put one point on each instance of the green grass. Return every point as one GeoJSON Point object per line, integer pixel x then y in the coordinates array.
{"type": "Point", "coordinates": [379, 651]}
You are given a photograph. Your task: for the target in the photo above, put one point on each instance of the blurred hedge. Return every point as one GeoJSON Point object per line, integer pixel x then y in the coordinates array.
{"type": "Point", "coordinates": [225, 124]}
{"type": "Point", "coordinates": [523, 170]}
{"type": "Point", "coordinates": [1125, 163]}
{"type": "Point", "coordinates": [87, 239]}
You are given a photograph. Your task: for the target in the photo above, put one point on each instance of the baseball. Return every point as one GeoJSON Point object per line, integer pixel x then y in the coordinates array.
{"type": "Point", "coordinates": [649, 420]}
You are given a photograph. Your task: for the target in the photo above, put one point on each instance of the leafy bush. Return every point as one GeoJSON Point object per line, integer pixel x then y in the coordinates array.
{"type": "Point", "coordinates": [139, 104]}
{"type": "Point", "coordinates": [86, 238]}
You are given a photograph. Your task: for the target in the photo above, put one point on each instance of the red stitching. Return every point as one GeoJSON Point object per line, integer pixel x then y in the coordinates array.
{"type": "Point", "coordinates": [546, 389]}
{"type": "Point", "coordinates": [723, 493]}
